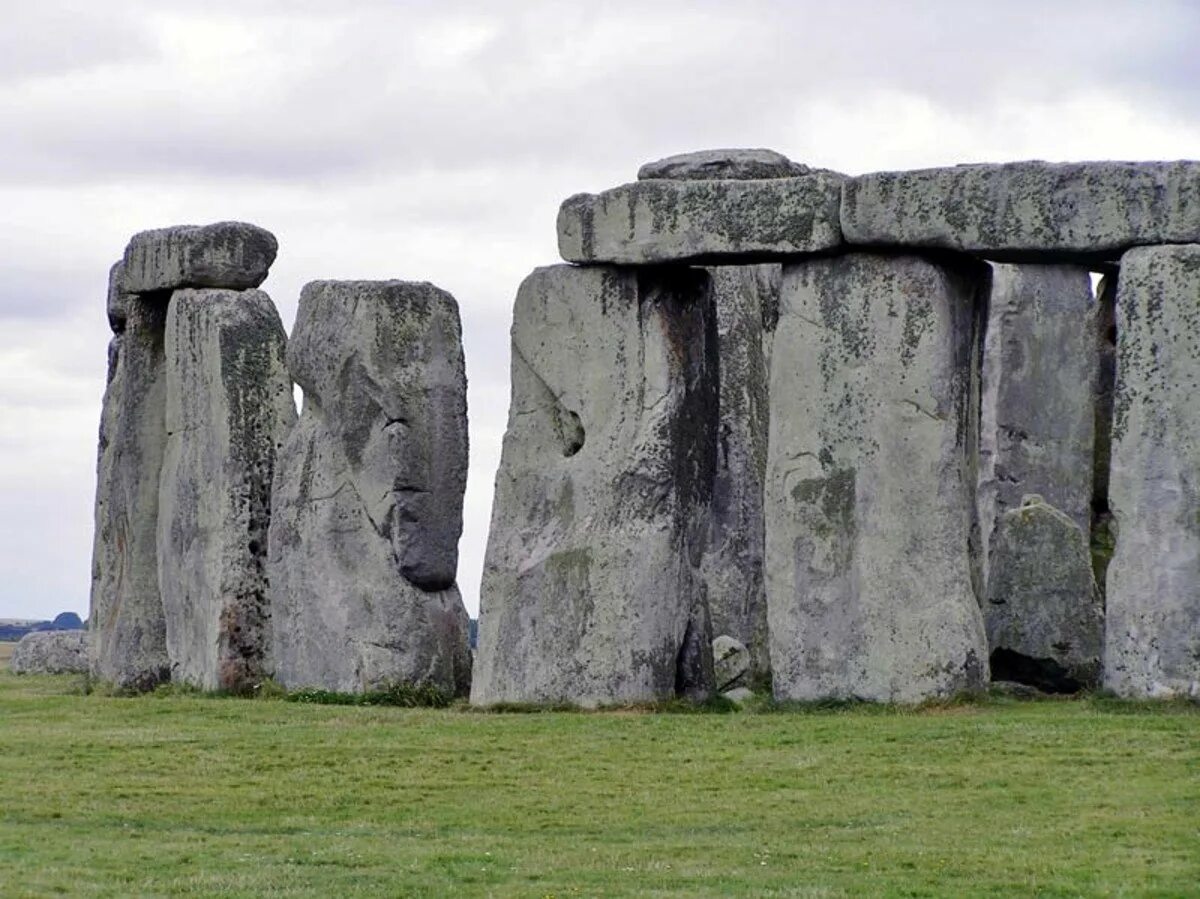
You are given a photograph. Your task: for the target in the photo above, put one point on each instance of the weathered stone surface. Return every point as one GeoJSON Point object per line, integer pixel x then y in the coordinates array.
{"type": "Point", "coordinates": [229, 407]}
{"type": "Point", "coordinates": [233, 255]}
{"type": "Point", "coordinates": [1044, 617]}
{"type": "Point", "coordinates": [870, 480]}
{"type": "Point", "coordinates": [51, 652]}
{"type": "Point", "coordinates": [1027, 211]}
{"type": "Point", "coordinates": [732, 566]}
{"type": "Point", "coordinates": [1152, 643]}
{"type": "Point", "coordinates": [702, 221]}
{"type": "Point", "coordinates": [710, 165]}
{"type": "Point", "coordinates": [128, 642]}
{"type": "Point", "coordinates": [731, 662]}
{"type": "Point", "coordinates": [591, 591]}
{"type": "Point", "coordinates": [739, 695]}
{"type": "Point", "coordinates": [1040, 374]}
{"type": "Point", "coordinates": [1102, 536]}
{"type": "Point", "coordinates": [117, 307]}
{"type": "Point", "coordinates": [368, 493]}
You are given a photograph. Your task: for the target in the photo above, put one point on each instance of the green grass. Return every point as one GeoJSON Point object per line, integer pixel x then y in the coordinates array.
{"type": "Point", "coordinates": [6, 651]}
{"type": "Point", "coordinates": [182, 794]}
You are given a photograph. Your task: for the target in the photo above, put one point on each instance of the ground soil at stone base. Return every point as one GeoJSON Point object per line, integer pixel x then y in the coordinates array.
{"type": "Point", "coordinates": [177, 793]}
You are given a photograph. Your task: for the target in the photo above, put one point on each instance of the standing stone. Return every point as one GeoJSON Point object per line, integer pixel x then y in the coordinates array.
{"type": "Point", "coordinates": [1152, 640]}
{"type": "Point", "coordinates": [51, 652]}
{"type": "Point", "coordinates": [733, 558]}
{"type": "Point", "coordinates": [1103, 538]}
{"type": "Point", "coordinates": [233, 255]}
{"type": "Point", "coordinates": [870, 480]}
{"type": "Point", "coordinates": [1044, 617]}
{"type": "Point", "coordinates": [368, 494]}
{"type": "Point", "coordinates": [702, 221]}
{"type": "Point", "coordinates": [128, 642]}
{"type": "Point", "coordinates": [1040, 368]}
{"type": "Point", "coordinates": [1027, 211]}
{"type": "Point", "coordinates": [591, 590]}
{"type": "Point", "coordinates": [229, 406]}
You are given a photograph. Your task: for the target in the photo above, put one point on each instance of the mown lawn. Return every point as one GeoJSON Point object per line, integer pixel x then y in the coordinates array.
{"type": "Point", "coordinates": [180, 795]}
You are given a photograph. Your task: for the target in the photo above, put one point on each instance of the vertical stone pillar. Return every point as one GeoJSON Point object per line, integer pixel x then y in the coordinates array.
{"type": "Point", "coordinates": [591, 589]}
{"type": "Point", "coordinates": [128, 642]}
{"type": "Point", "coordinates": [745, 299]}
{"type": "Point", "coordinates": [871, 472]}
{"type": "Point", "coordinates": [228, 408]}
{"type": "Point", "coordinates": [1037, 439]}
{"type": "Point", "coordinates": [368, 493]}
{"type": "Point", "coordinates": [1152, 641]}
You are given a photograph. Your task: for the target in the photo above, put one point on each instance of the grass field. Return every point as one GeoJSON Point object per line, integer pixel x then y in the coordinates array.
{"type": "Point", "coordinates": [6, 651]}
{"type": "Point", "coordinates": [187, 795]}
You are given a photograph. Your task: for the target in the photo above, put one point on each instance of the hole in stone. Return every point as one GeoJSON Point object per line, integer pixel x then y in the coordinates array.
{"type": "Point", "coordinates": [570, 431]}
{"type": "Point", "coordinates": [1045, 674]}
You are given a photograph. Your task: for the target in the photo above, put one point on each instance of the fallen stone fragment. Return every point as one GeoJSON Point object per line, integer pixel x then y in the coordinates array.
{"type": "Point", "coordinates": [229, 407]}
{"type": "Point", "coordinates": [731, 662]}
{"type": "Point", "coordinates": [368, 493]}
{"type": "Point", "coordinates": [1040, 370]}
{"type": "Point", "coordinates": [233, 255]}
{"type": "Point", "coordinates": [732, 566]}
{"type": "Point", "coordinates": [702, 221]}
{"type": "Point", "coordinates": [51, 652]}
{"type": "Point", "coordinates": [870, 480]}
{"type": "Point", "coordinates": [1152, 643]}
{"type": "Point", "coordinates": [1044, 617]}
{"type": "Point", "coordinates": [739, 695]}
{"type": "Point", "coordinates": [128, 642]}
{"type": "Point", "coordinates": [591, 591]}
{"type": "Point", "coordinates": [710, 165]}
{"type": "Point", "coordinates": [1027, 211]}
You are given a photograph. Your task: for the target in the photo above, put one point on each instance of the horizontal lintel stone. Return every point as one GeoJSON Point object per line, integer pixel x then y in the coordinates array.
{"type": "Point", "coordinates": [702, 221]}
{"type": "Point", "coordinates": [229, 255]}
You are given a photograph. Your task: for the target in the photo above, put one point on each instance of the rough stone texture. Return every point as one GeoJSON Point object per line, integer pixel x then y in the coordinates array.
{"type": "Point", "coordinates": [128, 643]}
{"type": "Point", "coordinates": [591, 591]}
{"type": "Point", "coordinates": [1102, 536]}
{"type": "Point", "coordinates": [1027, 211]}
{"type": "Point", "coordinates": [229, 407]}
{"type": "Point", "coordinates": [368, 494]}
{"type": "Point", "coordinates": [709, 165]}
{"type": "Point", "coordinates": [51, 652]}
{"type": "Point", "coordinates": [1152, 641]}
{"type": "Point", "coordinates": [117, 307]}
{"type": "Point", "coordinates": [1044, 617]}
{"type": "Point", "coordinates": [233, 255]}
{"type": "Point", "coordinates": [733, 558]}
{"type": "Point", "coordinates": [702, 221]}
{"type": "Point", "coordinates": [1040, 374]}
{"type": "Point", "coordinates": [870, 480]}
{"type": "Point", "coordinates": [731, 662]}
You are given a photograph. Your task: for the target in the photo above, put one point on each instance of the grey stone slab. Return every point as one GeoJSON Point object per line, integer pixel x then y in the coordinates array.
{"type": "Point", "coordinates": [1040, 377]}
{"type": "Point", "coordinates": [869, 496]}
{"type": "Point", "coordinates": [51, 652]}
{"type": "Point", "coordinates": [746, 298]}
{"type": "Point", "coordinates": [1152, 642]}
{"type": "Point", "coordinates": [1044, 615]}
{"type": "Point", "coordinates": [128, 642]}
{"type": "Point", "coordinates": [233, 255]}
{"type": "Point", "coordinates": [702, 221]}
{"type": "Point", "coordinates": [714, 165]}
{"type": "Point", "coordinates": [591, 587]}
{"type": "Point", "coordinates": [368, 492]}
{"type": "Point", "coordinates": [229, 407]}
{"type": "Point", "coordinates": [1027, 211]}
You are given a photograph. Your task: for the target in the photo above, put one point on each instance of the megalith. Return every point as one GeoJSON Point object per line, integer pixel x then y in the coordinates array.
{"type": "Point", "coordinates": [1044, 616]}
{"type": "Point", "coordinates": [1152, 628]}
{"type": "Point", "coordinates": [869, 497]}
{"type": "Point", "coordinates": [233, 255]}
{"type": "Point", "coordinates": [591, 588]}
{"type": "Point", "coordinates": [228, 408]}
{"type": "Point", "coordinates": [51, 652]}
{"type": "Point", "coordinates": [368, 493]}
{"type": "Point", "coordinates": [128, 642]}
{"type": "Point", "coordinates": [744, 300]}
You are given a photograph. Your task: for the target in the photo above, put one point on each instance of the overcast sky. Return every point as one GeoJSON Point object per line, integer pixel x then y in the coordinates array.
{"type": "Point", "coordinates": [434, 141]}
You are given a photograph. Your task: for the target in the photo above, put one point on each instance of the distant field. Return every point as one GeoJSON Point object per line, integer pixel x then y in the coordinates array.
{"type": "Point", "coordinates": [6, 651]}
{"type": "Point", "coordinates": [176, 794]}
